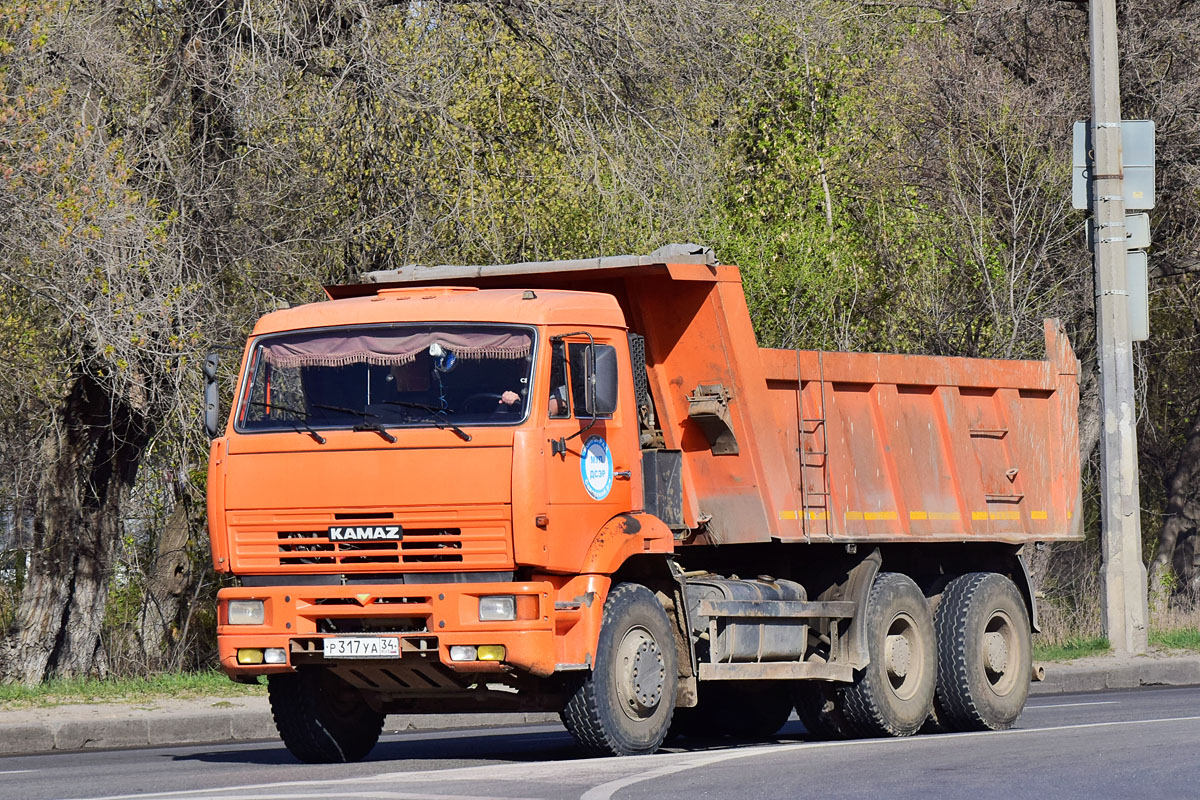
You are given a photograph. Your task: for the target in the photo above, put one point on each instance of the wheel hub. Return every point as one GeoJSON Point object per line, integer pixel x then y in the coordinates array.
{"type": "Point", "coordinates": [996, 652]}
{"type": "Point", "coordinates": [647, 678]}
{"type": "Point", "coordinates": [642, 674]}
{"type": "Point", "coordinates": [899, 655]}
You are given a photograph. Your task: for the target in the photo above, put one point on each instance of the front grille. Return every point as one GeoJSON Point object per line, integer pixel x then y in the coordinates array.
{"type": "Point", "coordinates": [420, 546]}
{"type": "Point", "coordinates": [477, 541]}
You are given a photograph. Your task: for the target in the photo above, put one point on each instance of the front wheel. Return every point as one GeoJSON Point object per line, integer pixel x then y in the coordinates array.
{"type": "Point", "coordinates": [624, 705]}
{"type": "Point", "coordinates": [985, 655]}
{"type": "Point", "coordinates": [321, 718]}
{"type": "Point", "coordinates": [893, 694]}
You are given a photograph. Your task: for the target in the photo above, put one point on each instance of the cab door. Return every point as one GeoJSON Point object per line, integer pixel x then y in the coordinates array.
{"type": "Point", "coordinates": [592, 467]}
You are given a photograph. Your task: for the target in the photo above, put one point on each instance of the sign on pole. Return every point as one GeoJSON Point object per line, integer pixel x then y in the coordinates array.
{"type": "Point", "coordinates": [1137, 285]}
{"type": "Point", "coordinates": [1137, 231]}
{"type": "Point", "coordinates": [1137, 163]}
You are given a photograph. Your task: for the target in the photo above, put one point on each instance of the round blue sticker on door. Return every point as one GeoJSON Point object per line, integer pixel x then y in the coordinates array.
{"type": "Point", "coordinates": [596, 467]}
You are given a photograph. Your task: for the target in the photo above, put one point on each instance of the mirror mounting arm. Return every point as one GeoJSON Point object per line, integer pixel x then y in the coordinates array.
{"type": "Point", "coordinates": [559, 446]}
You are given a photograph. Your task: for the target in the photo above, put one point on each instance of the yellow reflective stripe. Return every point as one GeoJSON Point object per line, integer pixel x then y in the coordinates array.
{"type": "Point", "coordinates": [871, 516]}
{"type": "Point", "coordinates": [1038, 515]}
{"type": "Point", "coordinates": [809, 514]}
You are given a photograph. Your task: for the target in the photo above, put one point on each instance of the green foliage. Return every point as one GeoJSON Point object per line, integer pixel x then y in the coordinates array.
{"type": "Point", "coordinates": [785, 212]}
{"type": "Point", "coordinates": [1178, 639]}
{"type": "Point", "coordinates": [1072, 649]}
{"type": "Point", "coordinates": [165, 686]}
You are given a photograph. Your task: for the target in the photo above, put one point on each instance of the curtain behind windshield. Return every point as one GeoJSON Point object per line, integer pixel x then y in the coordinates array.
{"type": "Point", "coordinates": [324, 350]}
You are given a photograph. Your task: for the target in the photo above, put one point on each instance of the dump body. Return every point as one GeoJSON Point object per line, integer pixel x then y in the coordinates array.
{"type": "Point", "coordinates": [909, 448]}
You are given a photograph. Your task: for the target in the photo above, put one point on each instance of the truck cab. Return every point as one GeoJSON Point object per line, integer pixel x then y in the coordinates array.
{"type": "Point", "coordinates": [431, 464]}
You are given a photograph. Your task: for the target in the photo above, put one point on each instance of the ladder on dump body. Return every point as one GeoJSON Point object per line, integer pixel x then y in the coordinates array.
{"type": "Point", "coordinates": [814, 505]}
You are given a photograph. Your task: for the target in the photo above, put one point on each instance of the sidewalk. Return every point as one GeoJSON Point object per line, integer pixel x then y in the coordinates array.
{"type": "Point", "coordinates": [193, 721]}
{"type": "Point", "coordinates": [216, 719]}
{"type": "Point", "coordinates": [1110, 672]}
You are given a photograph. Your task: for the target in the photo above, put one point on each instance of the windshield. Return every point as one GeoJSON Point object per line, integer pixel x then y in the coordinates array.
{"type": "Point", "coordinates": [389, 376]}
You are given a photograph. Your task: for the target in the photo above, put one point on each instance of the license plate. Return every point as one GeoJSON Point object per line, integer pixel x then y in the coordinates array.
{"type": "Point", "coordinates": [362, 647]}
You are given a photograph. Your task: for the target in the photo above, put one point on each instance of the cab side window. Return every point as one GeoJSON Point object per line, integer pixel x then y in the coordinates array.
{"type": "Point", "coordinates": [560, 405]}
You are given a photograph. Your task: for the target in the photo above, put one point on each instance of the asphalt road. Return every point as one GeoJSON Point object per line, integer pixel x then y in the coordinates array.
{"type": "Point", "coordinates": [1127, 744]}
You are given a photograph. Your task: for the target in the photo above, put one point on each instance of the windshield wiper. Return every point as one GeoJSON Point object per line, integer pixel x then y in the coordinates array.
{"type": "Point", "coordinates": [441, 418]}
{"type": "Point", "coordinates": [369, 420]}
{"type": "Point", "coordinates": [299, 423]}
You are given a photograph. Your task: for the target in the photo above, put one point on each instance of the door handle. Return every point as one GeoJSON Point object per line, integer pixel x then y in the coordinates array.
{"type": "Point", "coordinates": [622, 475]}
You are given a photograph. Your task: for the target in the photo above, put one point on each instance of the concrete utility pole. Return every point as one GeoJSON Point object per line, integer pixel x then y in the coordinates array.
{"type": "Point", "coordinates": [1124, 577]}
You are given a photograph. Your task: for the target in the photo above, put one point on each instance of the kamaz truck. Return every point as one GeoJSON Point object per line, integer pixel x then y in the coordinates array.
{"type": "Point", "coordinates": [582, 487]}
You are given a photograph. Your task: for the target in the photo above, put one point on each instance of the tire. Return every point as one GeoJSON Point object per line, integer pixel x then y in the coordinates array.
{"type": "Point", "coordinates": [736, 711]}
{"type": "Point", "coordinates": [985, 655]}
{"type": "Point", "coordinates": [322, 719]}
{"type": "Point", "coordinates": [893, 694]}
{"type": "Point", "coordinates": [624, 705]}
{"type": "Point", "coordinates": [821, 708]}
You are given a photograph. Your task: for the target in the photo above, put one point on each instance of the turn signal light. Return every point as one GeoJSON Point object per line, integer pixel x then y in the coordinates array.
{"type": "Point", "coordinates": [527, 606]}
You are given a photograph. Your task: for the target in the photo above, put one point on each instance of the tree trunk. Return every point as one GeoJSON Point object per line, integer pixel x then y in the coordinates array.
{"type": "Point", "coordinates": [166, 587]}
{"type": "Point", "coordinates": [90, 460]}
{"type": "Point", "coordinates": [1174, 565]}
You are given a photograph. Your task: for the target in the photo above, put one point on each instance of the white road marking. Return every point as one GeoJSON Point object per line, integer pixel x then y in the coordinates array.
{"type": "Point", "coordinates": [14, 771]}
{"type": "Point", "coordinates": [607, 790]}
{"type": "Point", "coordinates": [1073, 705]}
{"type": "Point", "coordinates": [574, 771]}
{"type": "Point", "coordinates": [378, 794]}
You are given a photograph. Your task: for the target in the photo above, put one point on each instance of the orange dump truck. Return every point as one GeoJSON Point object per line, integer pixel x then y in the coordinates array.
{"type": "Point", "coordinates": [581, 486]}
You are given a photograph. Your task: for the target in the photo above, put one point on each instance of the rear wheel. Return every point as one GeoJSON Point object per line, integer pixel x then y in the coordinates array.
{"type": "Point", "coordinates": [321, 718]}
{"type": "Point", "coordinates": [985, 655]}
{"type": "Point", "coordinates": [820, 706]}
{"type": "Point", "coordinates": [893, 694]}
{"type": "Point", "coordinates": [624, 705]}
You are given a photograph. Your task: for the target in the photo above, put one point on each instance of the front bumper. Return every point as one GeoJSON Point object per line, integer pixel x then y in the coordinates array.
{"type": "Point", "coordinates": [428, 619]}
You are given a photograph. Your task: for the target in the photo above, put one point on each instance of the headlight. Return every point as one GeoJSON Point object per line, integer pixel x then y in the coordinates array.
{"type": "Point", "coordinates": [246, 612]}
{"type": "Point", "coordinates": [500, 607]}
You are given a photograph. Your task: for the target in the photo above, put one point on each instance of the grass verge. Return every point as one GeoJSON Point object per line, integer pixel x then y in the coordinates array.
{"type": "Point", "coordinates": [1071, 648]}
{"type": "Point", "coordinates": [1181, 639]}
{"type": "Point", "coordinates": [113, 690]}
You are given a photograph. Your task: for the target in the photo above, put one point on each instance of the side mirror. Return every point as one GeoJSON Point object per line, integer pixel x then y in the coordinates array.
{"type": "Point", "coordinates": [600, 380]}
{"type": "Point", "coordinates": [212, 404]}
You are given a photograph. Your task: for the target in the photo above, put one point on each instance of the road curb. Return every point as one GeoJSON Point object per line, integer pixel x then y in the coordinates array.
{"type": "Point", "coordinates": [1094, 675]}
{"type": "Point", "coordinates": [201, 721]}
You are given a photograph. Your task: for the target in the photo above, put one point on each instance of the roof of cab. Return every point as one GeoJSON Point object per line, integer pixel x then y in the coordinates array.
{"type": "Point", "coordinates": [451, 304]}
